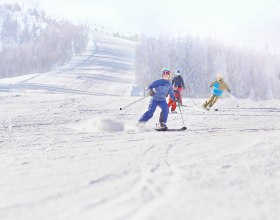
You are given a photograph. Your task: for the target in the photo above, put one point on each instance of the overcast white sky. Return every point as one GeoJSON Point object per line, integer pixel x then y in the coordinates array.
{"type": "Point", "coordinates": [243, 21]}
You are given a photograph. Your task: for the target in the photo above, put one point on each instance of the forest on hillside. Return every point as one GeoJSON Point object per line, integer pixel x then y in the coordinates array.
{"type": "Point", "coordinates": [249, 73]}
{"type": "Point", "coordinates": [31, 42]}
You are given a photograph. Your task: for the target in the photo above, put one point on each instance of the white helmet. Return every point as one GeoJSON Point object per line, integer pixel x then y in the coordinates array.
{"type": "Point", "coordinates": [219, 77]}
{"type": "Point", "coordinates": [178, 72]}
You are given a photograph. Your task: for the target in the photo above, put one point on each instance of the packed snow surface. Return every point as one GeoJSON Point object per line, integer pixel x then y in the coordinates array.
{"type": "Point", "coordinates": [68, 152]}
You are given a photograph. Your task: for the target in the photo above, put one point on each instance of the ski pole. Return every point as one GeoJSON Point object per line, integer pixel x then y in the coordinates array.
{"type": "Point", "coordinates": [193, 102]}
{"type": "Point", "coordinates": [182, 117]}
{"type": "Point", "coordinates": [233, 97]}
{"type": "Point", "coordinates": [132, 103]}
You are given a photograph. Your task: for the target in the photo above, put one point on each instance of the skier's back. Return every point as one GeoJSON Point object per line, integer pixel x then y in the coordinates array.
{"type": "Point", "coordinates": [178, 82]}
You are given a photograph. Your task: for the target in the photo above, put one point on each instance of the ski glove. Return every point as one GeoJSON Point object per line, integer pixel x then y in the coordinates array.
{"type": "Point", "coordinates": [151, 93]}
{"type": "Point", "coordinates": [228, 90]}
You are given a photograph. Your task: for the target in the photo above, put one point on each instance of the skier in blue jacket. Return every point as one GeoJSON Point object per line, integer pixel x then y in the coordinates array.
{"type": "Point", "coordinates": [219, 86]}
{"type": "Point", "coordinates": [159, 89]}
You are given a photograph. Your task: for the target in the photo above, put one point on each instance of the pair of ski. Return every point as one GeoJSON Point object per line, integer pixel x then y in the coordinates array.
{"type": "Point", "coordinates": [205, 109]}
{"type": "Point", "coordinates": [214, 109]}
{"type": "Point", "coordinates": [170, 129]}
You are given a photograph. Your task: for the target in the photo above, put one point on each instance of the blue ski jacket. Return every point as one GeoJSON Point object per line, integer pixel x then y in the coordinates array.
{"type": "Point", "coordinates": [162, 88]}
{"type": "Point", "coordinates": [218, 87]}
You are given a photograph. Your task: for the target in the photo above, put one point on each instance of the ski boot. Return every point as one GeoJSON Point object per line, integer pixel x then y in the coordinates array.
{"type": "Point", "coordinates": [161, 127]}
{"type": "Point", "coordinates": [204, 105]}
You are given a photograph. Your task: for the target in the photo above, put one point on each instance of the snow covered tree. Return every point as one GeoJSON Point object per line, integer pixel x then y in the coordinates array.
{"type": "Point", "coordinates": [250, 74]}
{"type": "Point", "coordinates": [31, 42]}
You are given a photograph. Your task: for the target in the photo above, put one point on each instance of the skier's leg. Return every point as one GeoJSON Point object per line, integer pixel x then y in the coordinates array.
{"type": "Point", "coordinates": [212, 97]}
{"type": "Point", "coordinates": [214, 100]}
{"type": "Point", "coordinates": [164, 111]}
{"type": "Point", "coordinates": [151, 110]}
{"type": "Point", "coordinates": [207, 102]}
{"type": "Point", "coordinates": [170, 102]}
{"type": "Point", "coordinates": [204, 105]}
{"type": "Point", "coordinates": [173, 106]}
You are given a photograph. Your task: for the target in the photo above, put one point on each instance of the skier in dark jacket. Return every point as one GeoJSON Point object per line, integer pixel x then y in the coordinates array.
{"type": "Point", "coordinates": [159, 89]}
{"type": "Point", "coordinates": [173, 103]}
{"type": "Point", "coordinates": [179, 82]}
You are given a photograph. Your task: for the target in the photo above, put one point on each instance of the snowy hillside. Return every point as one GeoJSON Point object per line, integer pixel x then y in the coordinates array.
{"type": "Point", "coordinates": [31, 42]}
{"type": "Point", "coordinates": [67, 152]}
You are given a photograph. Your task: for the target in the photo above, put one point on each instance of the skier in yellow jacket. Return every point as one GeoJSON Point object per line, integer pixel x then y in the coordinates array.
{"type": "Point", "coordinates": [218, 87]}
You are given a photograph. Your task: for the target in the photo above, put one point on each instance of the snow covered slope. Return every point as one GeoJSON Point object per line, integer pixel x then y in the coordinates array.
{"type": "Point", "coordinates": [105, 69]}
{"type": "Point", "coordinates": [68, 152]}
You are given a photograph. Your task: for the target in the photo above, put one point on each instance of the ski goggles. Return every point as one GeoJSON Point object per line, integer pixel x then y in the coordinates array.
{"type": "Point", "coordinates": [166, 72]}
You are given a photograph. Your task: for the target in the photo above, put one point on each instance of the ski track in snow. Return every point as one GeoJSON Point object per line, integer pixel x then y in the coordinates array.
{"type": "Point", "coordinates": [57, 162]}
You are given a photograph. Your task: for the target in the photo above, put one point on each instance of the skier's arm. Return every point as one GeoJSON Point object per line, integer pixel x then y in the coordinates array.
{"type": "Point", "coordinates": [171, 94]}
{"type": "Point", "coordinates": [150, 93]}
{"type": "Point", "coordinates": [153, 85]}
{"type": "Point", "coordinates": [183, 84]}
{"type": "Point", "coordinates": [212, 83]}
{"type": "Point", "coordinates": [227, 88]}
